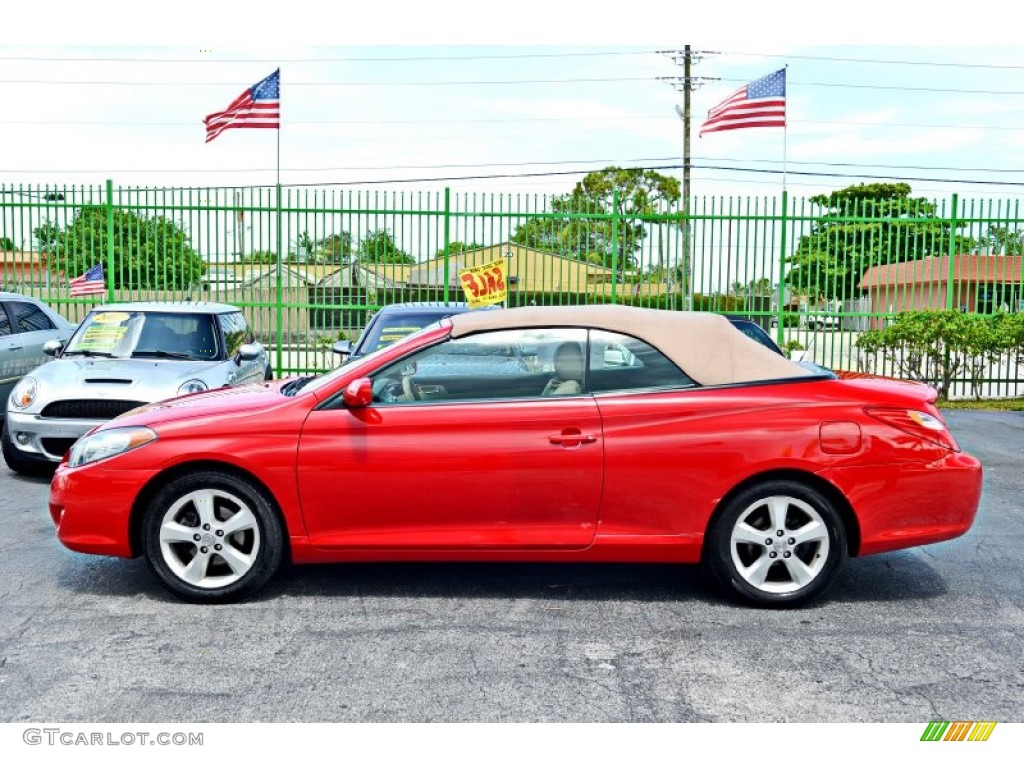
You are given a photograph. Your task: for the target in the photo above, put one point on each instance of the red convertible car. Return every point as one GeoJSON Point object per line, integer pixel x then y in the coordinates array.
{"type": "Point", "coordinates": [585, 434]}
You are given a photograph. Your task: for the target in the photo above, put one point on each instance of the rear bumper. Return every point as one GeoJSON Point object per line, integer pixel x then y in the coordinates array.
{"type": "Point", "coordinates": [913, 503]}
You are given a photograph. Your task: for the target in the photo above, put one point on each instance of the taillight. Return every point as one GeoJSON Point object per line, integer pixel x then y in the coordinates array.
{"type": "Point", "coordinates": [917, 423]}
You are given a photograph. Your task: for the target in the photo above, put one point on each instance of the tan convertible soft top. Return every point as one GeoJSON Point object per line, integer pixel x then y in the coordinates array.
{"type": "Point", "coordinates": [704, 345]}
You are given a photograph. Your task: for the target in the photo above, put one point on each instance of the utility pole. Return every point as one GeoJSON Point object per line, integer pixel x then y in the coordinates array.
{"type": "Point", "coordinates": [686, 84]}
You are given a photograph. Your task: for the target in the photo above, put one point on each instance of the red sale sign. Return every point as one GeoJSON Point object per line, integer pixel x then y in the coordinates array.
{"type": "Point", "coordinates": [485, 284]}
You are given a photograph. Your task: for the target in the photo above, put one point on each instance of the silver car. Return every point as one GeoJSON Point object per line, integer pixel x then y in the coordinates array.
{"type": "Point", "coordinates": [123, 356]}
{"type": "Point", "coordinates": [26, 324]}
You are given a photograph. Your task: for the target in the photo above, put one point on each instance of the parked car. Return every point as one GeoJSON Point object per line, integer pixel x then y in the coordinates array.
{"type": "Point", "coordinates": [26, 324]}
{"type": "Point", "coordinates": [123, 356]}
{"type": "Point", "coordinates": [395, 321]}
{"type": "Point", "coordinates": [821, 322]}
{"type": "Point", "coordinates": [682, 441]}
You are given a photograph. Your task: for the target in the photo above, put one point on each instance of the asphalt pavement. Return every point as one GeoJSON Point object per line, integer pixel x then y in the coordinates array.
{"type": "Point", "coordinates": [932, 633]}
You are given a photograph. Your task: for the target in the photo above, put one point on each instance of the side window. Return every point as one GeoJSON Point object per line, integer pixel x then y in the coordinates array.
{"type": "Point", "coordinates": [5, 324]}
{"type": "Point", "coordinates": [619, 362]}
{"type": "Point", "coordinates": [236, 332]}
{"type": "Point", "coordinates": [497, 365]}
{"type": "Point", "coordinates": [29, 317]}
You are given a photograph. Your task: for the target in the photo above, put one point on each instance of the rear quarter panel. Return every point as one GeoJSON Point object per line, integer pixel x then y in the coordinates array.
{"type": "Point", "coordinates": [672, 457]}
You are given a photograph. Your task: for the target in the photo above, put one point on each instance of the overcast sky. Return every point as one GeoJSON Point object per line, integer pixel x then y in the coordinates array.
{"type": "Point", "coordinates": [519, 106]}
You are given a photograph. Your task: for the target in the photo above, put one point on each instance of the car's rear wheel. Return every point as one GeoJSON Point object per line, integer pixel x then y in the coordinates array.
{"type": "Point", "coordinates": [779, 543]}
{"type": "Point", "coordinates": [212, 537]}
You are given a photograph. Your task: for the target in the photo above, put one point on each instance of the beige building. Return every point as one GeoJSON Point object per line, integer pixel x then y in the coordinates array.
{"type": "Point", "coordinates": [528, 269]}
{"type": "Point", "coordinates": [981, 283]}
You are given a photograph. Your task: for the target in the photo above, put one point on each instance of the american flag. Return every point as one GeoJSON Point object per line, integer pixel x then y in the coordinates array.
{"type": "Point", "coordinates": [257, 107]}
{"type": "Point", "coordinates": [760, 104]}
{"type": "Point", "coordinates": [89, 283]}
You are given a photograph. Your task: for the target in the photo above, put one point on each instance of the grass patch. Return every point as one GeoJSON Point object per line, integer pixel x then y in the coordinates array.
{"type": "Point", "coordinates": [1007, 404]}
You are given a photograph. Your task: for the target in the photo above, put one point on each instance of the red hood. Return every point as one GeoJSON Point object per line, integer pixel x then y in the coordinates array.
{"type": "Point", "coordinates": [246, 402]}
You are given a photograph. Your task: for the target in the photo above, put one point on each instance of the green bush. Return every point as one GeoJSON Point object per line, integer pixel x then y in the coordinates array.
{"type": "Point", "coordinates": [935, 346]}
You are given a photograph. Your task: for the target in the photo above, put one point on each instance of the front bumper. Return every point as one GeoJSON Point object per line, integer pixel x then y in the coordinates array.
{"type": "Point", "coordinates": [45, 439]}
{"type": "Point", "coordinates": [92, 509]}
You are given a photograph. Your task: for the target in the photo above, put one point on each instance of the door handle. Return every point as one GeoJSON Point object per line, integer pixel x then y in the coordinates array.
{"type": "Point", "coordinates": [569, 439]}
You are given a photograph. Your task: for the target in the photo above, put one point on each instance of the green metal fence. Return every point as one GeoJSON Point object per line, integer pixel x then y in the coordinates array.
{"type": "Point", "coordinates": [309, 264]}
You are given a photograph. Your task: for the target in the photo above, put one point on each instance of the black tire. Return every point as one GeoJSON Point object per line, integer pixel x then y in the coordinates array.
{"type": "Point", "coordinates": [749, 559]}
{"type": "Point", "coordinates": [189, 544]}
{"type": "Point", "coordinates": [19, 462]}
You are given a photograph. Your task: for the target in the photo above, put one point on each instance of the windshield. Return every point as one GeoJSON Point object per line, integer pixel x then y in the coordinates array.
{"type": "Point", "coordinates": [168, 335]}
{"type": "Point", "coordinates": [389, 329]}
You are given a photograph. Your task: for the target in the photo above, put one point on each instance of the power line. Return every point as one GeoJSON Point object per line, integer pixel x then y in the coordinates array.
{"type": "Point", "coordinates": [499, 57]}
{"type": "Point", "coordinates": [330, 59]}
{"type": "Point", "coordinates": [530, 163]}
{"type": "Point", "coordinates": [539, 174]}
{"type": "Point", "coordinates": [343, 84]}
{"type": "Point", "coordinates": [509, 120]}
{"type": "Point", "coordinates": [530, 81]}
{"type": "Point", "coordinates": [854, 60]}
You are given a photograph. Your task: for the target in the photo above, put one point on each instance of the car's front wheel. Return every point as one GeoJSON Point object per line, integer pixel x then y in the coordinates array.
{"type": "Point", "coordinates": [779, 544]}
{"type": "Point", "coordinates": [212, 537]}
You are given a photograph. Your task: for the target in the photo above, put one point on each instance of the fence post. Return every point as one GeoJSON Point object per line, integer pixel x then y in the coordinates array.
{"type": "Point", "coordinates": [109, 271]}
{"type": "Point", "coordinates": [951, 252]}
{"type": "Point", "coordinates": [615, 244]}
{"type": "Point", "coordinates": [779, 335]}
{"type": "Point", "coordinates": [279, 298]}
{"type": "Point", "coordinates": [447, 234]}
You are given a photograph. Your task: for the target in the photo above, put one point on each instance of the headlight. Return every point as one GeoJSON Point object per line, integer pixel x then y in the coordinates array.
{"type": "Point", "coordinates": [107, 443]}
{"type": "Point", "coordinates": [192, 386]}
{"type": "Point", "coordinates": [24, 393]}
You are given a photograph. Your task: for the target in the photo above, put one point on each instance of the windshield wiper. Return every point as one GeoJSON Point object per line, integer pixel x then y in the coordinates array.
{"type": "Point", "coordinates": [161, 353]}
{"type": "Point", "coordinates": [87, 353]}
{"type": "Point", "coordinates": [295, 385]}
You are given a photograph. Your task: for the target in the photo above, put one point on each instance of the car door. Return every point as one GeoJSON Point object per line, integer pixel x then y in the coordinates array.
{"type": "Point", "coordinates": [12, 365]}
{"type": "Point", "coordinates": [28, 329]}
{"type": "Point", "coordinates": [475, 465]}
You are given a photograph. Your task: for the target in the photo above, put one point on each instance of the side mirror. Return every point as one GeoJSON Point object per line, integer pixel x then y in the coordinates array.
{"type": "Point", "coordinates": [52, 347]}
{"type": "Point", "coordinates": [249, 352]}
{"type": "Point", "coordinates": [343, 347]}
{"type": "Point", "coordinates": [358, 394]}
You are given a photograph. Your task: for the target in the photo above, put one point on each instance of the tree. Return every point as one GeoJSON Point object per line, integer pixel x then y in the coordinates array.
{"type": "Point", "coordinates": [580, 224]}
{"type": "Point", "coordinates": [1005, 241]}
{"type": "Point", "coordinates": [762, 286]}
{"type": "Point", "coordinates": [863, 226]}
{"type": "Point", "coordinates": [148, 253]}
{"type": "Point", "coordinates": [261, 257]}
{"type": "Point", "coordinates": [335, 249]}
{"type": "Point", "coordinates": [6, 244]}
{"type": "Point", "coordinates": [379, 246]}
{"type": "Point", "coordinates": [46, 235]}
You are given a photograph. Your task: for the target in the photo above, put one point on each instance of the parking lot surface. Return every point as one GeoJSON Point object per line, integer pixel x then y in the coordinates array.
{"type": "Point", "coordinates": [932, 633]}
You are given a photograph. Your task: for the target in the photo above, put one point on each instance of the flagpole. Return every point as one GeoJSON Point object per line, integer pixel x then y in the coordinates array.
{"type": "Point", "coordinates": [785, 131]}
